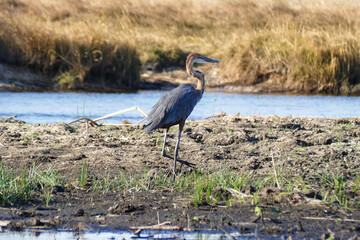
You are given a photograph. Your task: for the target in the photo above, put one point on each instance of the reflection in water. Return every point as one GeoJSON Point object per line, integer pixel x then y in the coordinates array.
{"type": "Point", "coordinates": [56, 107]}
{"type": "Point", "coordinates": [146, 234]}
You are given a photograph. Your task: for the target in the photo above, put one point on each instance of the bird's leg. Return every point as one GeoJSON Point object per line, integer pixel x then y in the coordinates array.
{"type": "Point", "coordinates": [164, 143]}
{"type": "Point", "coordinates": [176, 150]}
{"type": "Point", "coordinates": [181, 126]}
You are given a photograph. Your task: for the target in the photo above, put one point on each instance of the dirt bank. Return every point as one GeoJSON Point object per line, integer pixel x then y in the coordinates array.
{"type": "Point", "coordinates": [312, 159]}
{"type": "Point", "coordinates": [20, 79]}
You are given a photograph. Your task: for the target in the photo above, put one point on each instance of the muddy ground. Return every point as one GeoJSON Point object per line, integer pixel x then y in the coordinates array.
{"type": "Point", "coordinates": [298, 146]}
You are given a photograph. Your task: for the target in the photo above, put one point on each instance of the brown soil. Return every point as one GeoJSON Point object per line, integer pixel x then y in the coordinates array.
{"type": "Point", "coordinates": [299, 146]}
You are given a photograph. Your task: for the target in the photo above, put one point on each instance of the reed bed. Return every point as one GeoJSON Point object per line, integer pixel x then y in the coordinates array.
{"type": "Point", "coordinates": [296, 45]}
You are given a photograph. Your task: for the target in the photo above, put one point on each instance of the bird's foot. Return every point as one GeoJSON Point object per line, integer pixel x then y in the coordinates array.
{"type": "Point", "coordinates": [163, 153]}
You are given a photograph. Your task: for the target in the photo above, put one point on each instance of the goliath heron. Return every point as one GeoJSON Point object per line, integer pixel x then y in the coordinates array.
{"type": "Point", "coordinates": [175, 106]}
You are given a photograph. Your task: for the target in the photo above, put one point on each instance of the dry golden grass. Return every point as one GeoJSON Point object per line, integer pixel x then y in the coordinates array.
{"type": "Point", "coordinates": [302, 45]}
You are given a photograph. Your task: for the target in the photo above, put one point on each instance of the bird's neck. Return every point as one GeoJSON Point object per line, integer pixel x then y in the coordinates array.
{"type": "Point", "coordinates": [201, 79]}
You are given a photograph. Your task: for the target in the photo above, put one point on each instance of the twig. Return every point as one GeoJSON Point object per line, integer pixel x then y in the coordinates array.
{"type": "Point", "coordinates": [10, 118]}
{"type": "Point", "coordinates": [332, 219]}
{"type": "Point", "coordinates": [142, 120]}
{"type": "Point", "coordinates": [237, 193]}
{"type": "Point", "coordinates": [188, 222]}
{"type": "Point", "coordinates": [274, 168]}
{"type": "Point", "coordinates": [216, 116]}
{"type": "Point", "coordinates": [118, 124]}
{"type": "Point", "coordinates": [161, 226]}
{"type": "Point", "coordinates": [86, 120]}
{"type": "Point", "coordinates": [226, 232]}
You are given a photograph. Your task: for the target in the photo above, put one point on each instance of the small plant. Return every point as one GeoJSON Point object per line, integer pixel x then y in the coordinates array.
{"type": "Point", "coordinates": [203, 188]}
{"type": "Point", "coordinates": [348, 126]}
{"type": "Point", "coordinates": [83, 112]}
{"type": "Point", "coordinates": [47, 196]}
{"type": "Point", "coordinates": [35, 135]}
{"type": "Point", "coordinates": [258, 211]}
{"type": "Point", "coordinates": [84, 174]}
{"type": "Point", "coordinates": [228, 130]}
{"type": "Point", "coordinates": [214, 106]}
{"type": "Point", "coordinates": [356, 183]}
{"type": "Point", "coordinates": [255, 199]}
{"type": "Point", "coordinates": [336, 185]}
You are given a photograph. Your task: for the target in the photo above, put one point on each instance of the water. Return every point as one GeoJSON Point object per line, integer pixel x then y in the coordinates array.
{"type": "Point", "coordinates": [146, 234]}
{"type": "Point", "coordinates": [52, 107]}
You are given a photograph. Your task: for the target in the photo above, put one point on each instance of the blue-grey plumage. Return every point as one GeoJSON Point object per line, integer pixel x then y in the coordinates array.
{"type": "Point", "coordinates": [174, 107]}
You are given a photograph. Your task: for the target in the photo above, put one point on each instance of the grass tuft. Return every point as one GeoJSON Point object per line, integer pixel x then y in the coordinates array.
{"type": "Point", "coordinates": [22, 188]}
{"type": "Point", "coordinates": [84, 175]}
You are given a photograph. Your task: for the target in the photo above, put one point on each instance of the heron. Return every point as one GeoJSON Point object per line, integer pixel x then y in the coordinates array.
{"type": "Point", "coordinates": [175, 106]}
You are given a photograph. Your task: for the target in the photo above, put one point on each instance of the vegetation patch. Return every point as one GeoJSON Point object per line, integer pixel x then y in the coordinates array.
{"type": "Point", "coordinates": [219, 188]}
{"type": "Point", "coordinates": [30, 185]}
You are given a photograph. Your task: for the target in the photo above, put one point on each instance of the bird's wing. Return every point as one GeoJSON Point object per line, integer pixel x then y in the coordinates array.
{"type": "Point", "coordinates": [181, 103]}
{"type": "Point", "coordinates": [173, 106]}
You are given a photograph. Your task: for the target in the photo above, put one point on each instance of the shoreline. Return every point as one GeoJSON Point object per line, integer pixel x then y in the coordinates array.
{"type": "Point", "coordinates": [18, 79]}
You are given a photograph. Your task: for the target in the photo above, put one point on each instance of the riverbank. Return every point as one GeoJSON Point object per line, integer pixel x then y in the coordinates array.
{"type": "Point", "coordinates": [302, 47]}
{"type": "Point", "coordinates": [268, 176]}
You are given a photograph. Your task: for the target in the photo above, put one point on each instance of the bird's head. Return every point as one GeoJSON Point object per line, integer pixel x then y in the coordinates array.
{"type": "Point", "coordinates": [197, 58]}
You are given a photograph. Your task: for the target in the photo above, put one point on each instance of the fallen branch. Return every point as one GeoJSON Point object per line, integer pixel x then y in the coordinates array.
{"type": "Point", "coordinates": [10, 118]}
{"type": "Point", "coordinates": [275, 172]}
{"type": "Point", "coordinates": [120, 112]}
{"type": "Point", "coordinates": [237, 193]}
{"type": "Point", "coordinates": [332, 219]}
{"type": "Point", "coordinates": [216, 116]}
{"type": "Point", "coordinates": [93, 122]}
{"type": "Point", "coordinates": [85, 120]}
{"type": "Point", "coordinates": [160, 226]}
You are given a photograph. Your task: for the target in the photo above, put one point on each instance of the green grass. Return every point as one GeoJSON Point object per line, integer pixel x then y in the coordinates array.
{"type": "Point", "coordinates": [84, 175]}
{"type": "Point", "coordinates": [199, 187]}
{"type": "Point", "coordinates": [335, 185]}
{"type": "Point", "coordinates": [18, 188]}
{"type": "Point", "coordinates": [211, 188]}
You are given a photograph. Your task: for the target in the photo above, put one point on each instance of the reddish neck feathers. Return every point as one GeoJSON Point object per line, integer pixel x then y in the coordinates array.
{"type": "Point", "coordinates": [189, 69]}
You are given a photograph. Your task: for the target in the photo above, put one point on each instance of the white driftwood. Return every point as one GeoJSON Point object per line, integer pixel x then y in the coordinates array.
{"type": "Point", "coordinates": [120, 112]}
{"type": "Point", "coordinates": [93, 122]}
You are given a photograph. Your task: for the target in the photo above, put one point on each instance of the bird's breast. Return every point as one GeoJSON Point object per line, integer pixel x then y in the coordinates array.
{"type": "Point", "coordinates": [197, 93]}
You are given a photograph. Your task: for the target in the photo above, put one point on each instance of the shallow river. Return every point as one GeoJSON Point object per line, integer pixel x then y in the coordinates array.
{"type": "Point", "coordinates": [145, 234]}
{"type": "Point", "coordinates": [51, 107]}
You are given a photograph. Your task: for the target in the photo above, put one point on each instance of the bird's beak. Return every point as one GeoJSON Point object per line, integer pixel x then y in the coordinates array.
{"type": "Point", "coordinates": [203, 59]}
{"type": "Point", "coordinates": [206, 59]}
